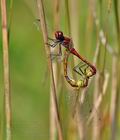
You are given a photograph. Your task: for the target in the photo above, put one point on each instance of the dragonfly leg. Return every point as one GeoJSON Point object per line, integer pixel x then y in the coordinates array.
{"type": "Point", "coordinates": [80, 66]}
{"type": "Point", "coordinates": [54, 40]}
{"type": "Point", "coordinates": [52, 45]}
{"type": "Point", "coordinates": [86, 71]}
{"type": "Point", "coordinates": [79, 70]}
{"type": "Point", "coordinates": [59, 54]}
{"type": "Point", "coordinates": [83, 69]}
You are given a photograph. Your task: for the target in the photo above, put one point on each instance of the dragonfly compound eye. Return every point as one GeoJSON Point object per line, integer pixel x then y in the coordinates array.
{"type": "Point", "coordinates": [59, 35]}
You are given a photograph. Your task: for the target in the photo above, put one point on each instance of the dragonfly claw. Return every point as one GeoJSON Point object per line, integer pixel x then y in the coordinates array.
{"type": "Point", "coordinates": [48, 44]}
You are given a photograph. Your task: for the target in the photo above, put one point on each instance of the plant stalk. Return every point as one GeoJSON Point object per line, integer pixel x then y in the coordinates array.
{"type": "Point", "coordinates": [7, 95]}
{"type": "Point", "coordinates": [47, 49]}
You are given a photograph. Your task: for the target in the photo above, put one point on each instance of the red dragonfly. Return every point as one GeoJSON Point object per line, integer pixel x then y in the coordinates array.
{"type": "Point", "coordinates": [84, 68]}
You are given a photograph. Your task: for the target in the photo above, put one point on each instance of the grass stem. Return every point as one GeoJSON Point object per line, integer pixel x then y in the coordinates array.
{"type": "Point", "coordinates": [7, 99]}
{"type": "Point", "coordinates": [47, 49]}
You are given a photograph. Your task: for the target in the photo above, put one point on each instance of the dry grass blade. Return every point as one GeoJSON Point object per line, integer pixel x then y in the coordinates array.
{"type": "Point", "coordinates": [99, 99]}
{"type": "Point", "coordinates": [84, 92]}
{"type": "Point", "coordinates": [104, 42]}
{"type": "Point", "coordinates": [68, 16]}
{"type": "Point", "coordinates": [114, 98]}
{"type": "Point", "coordinates": [56, 9]}
{"type": "Point", "coordinates": [109, 5]}
{"type": "Point", "coordinates": [116, 3]}
{"type": "Point", "coordinates": [45, 37]}
{"type": "Point", "coordinates": [115, 77]}
{"type": "Point", "coordinates": [10, 19]}
{"type": "Point", "coordinates": [7, 101]}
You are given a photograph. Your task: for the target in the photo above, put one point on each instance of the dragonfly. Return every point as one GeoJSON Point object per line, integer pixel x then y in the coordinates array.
{"type": "Point", "coordinates": [85, 69]}
{"type": "Point", "coordinates": [80, 83]}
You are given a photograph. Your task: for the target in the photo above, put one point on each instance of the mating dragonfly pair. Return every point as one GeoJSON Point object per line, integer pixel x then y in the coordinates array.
{"type": "Point", "coordinates": [85, 69]}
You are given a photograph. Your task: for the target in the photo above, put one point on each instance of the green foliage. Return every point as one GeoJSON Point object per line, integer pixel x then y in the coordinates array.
{"type": "Point", "coordinates": [29, 77]}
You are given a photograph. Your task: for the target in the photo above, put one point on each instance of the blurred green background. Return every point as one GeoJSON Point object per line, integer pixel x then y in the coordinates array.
{"type": "Point", "coordinates": [28, 63]}
{"type": "Point", "coordinates": [30, 95]}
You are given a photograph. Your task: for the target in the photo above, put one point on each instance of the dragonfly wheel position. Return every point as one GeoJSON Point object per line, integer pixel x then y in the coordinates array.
{"type": "Point", "coordinates": [85, 69]}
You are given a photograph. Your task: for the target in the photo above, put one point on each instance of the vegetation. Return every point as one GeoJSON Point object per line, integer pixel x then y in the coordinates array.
{"type": "Point", "coordinates": [36, 101]}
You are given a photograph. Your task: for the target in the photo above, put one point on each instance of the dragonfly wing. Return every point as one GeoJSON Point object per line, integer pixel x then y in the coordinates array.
{"type": "Point", "coordinates": [83, 69]}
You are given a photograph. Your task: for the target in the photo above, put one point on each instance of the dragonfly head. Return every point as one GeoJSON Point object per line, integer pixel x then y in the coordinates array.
{"type": "Point", "coordinates": [59, 35]}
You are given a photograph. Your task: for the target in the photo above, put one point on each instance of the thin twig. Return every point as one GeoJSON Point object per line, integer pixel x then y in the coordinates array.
{"type": "Point", "coordinates": [47, 49]}
{"type": "Point", "coordinates": [7, 99]}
